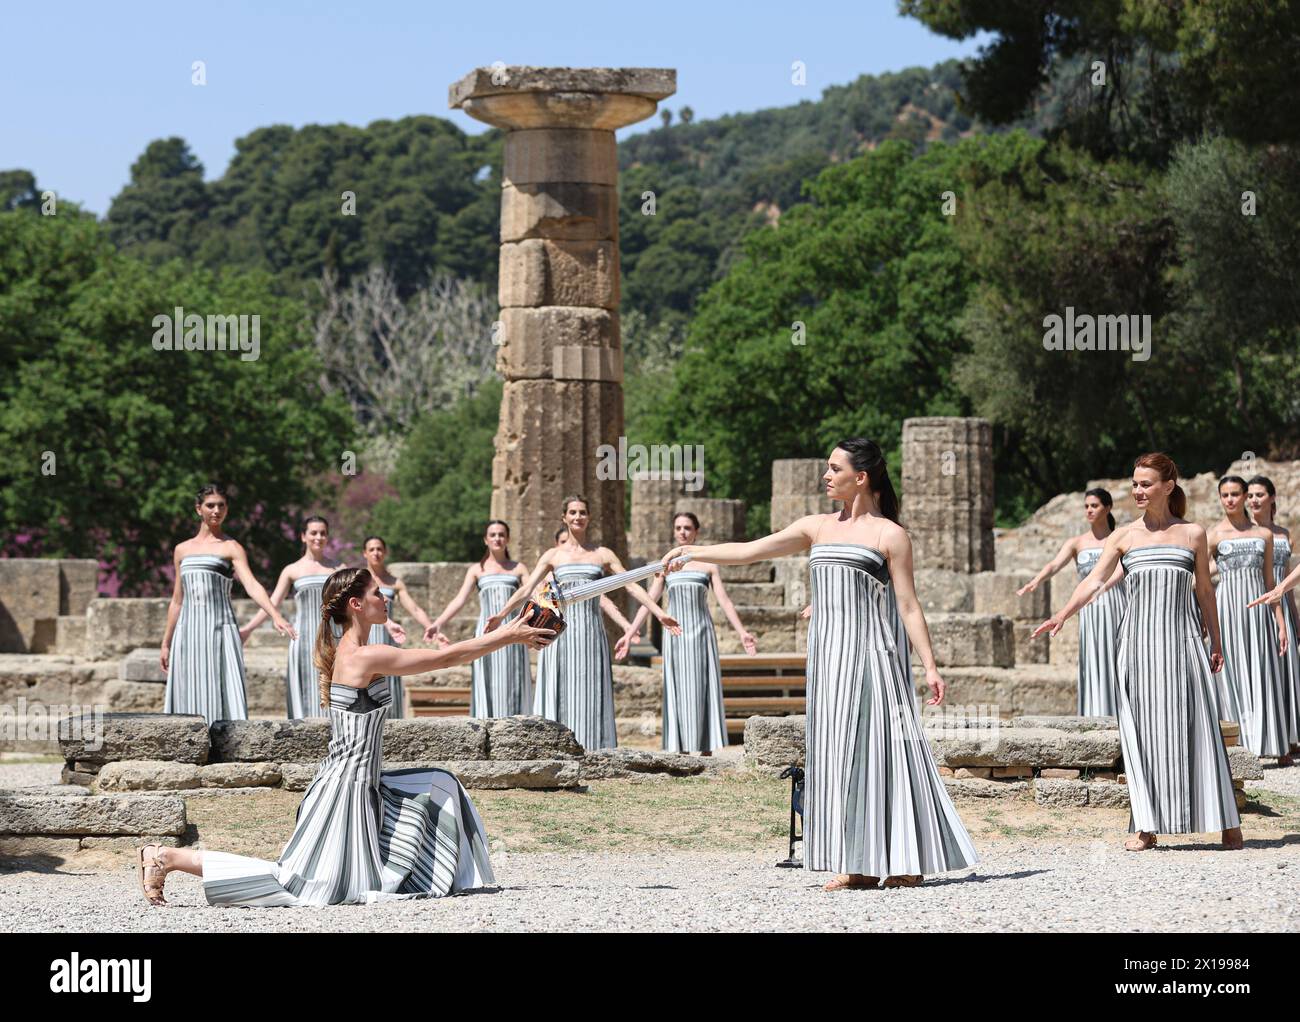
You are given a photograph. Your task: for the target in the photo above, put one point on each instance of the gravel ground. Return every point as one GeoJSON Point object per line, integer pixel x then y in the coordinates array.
{"type": "Point", "coordinates": [1185, 884]}
{"type": "Point", "coordinates": [1029, 886]}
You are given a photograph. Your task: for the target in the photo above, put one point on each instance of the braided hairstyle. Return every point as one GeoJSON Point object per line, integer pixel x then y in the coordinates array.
{"type": "Point", "coordinates": [340, 587]}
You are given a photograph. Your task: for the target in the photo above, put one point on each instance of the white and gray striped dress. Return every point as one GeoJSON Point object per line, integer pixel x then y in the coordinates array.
{"type": "Point", "coordinates": [501, 683]}
{"type": "Point", "coordinates": [693, 716]}
{"type": "Point", "coordinates": [362, 834]}
{"type": "Point", "coordinates": [1250, 683]}
{"type": "Point", "coordinates": [1098, 642]}
{"type": "Point", "coordinates": [874, 802]}
{"type": "Point", "coordinates": [574, 682]}
{"type": "Point", "coordinates": [379, 634]}
{"type": "Point", "coordinates": [1178, 778]}
{"type": "Point", "coordinates": [1289, 667]}
{"type": "Point", "coordinates": [205, 667]}
{"type": "Point", "coordinates": [301, 684]}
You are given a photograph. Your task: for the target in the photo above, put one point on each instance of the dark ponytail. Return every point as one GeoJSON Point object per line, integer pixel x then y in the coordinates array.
{"type": "Point", "coordinates": [865, 456]}
{"type": "Point", "coordinates": [1107, 502]}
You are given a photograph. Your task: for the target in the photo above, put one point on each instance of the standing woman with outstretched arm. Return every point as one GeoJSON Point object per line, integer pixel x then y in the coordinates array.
{"type": "Point", "coordinates": [693, 715]}
{"type": "Point", "coordinates": [1261, 499]}
{"type": "Point", "coordinates": [501, 683]}
{"type": "Point", "coordinates": [1099, 620]}
{"type": "Point", "coordinates": [575, 683]}
{"type": "Point", "coordinates": [201, 652]}
{"type": "Point", "coordinates": [874, 803]}
{"type": "Point", "coordinates": [363, 834]}
{"type": "Point", "coordinates": [1178, 778]}
{"type": "Point", "coordinates": [306, 577]}
{"type": "Point", "coordinates": [1254, 640]}
{"type": "Point", "coordinates": [390, 632]}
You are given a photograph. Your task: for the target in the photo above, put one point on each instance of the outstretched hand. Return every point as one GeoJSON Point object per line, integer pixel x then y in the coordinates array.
{"type": "Point", "coordinates": [1052, 626]}
{"type": "Point", "coordinates": [1271, 597]}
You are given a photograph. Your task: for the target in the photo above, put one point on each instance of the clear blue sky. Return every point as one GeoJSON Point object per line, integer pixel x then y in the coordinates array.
{"type": "Point", "coordinates": [87, 85]}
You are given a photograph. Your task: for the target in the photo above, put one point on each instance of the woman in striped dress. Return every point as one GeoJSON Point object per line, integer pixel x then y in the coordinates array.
{"type": "Point", "coordinates": [1099, 620]}
{"type": "Point", "coordinates": [693, 717]}
{"type": "Point", "coordinates": [306, 577]}
{"type": "Point", "coordinates": [1261, 499]}
{"type": "Point", "coordinates": [362, 834]}
{"type": "Point", "coordinates": [1250, 688]}
{"type": "Point", "coordinates": [874, 803]}
{"type": "Point", "coordinates": [501, 683]}
{"type": "Point", "coordinates": [1177, 767]}
{"type": "Point", "coordinates": [575, 684]}
{"type": "Point", "coordinates": [201, 653]}
{"type": "Point", "coordinates": [390, 632]}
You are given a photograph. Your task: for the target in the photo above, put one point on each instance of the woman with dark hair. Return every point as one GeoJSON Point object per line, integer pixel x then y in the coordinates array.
{"type": "Point", "coordinates": [306, 577]}
{"type": "Point", "coordinates": [1261, 499]}
{"type": "Point", "coordinates": [693, 716]}
{"type": "Point", "coordinates": [501, 683]}
{"type": "Point", "coordinates": [1178, 778]}
{"type": "Point", "coordinates": [362, 834]}
{"type": "Point", "coordinates": [201, 653]}
{"type": "Point", "coordinates": [1099, 620]}
{"type": "Point", "coordinates": [574, 680]}
{"type": "Point", "coordinates": [1250, 687]}
{"type": "Point", "coordinates": [874, 803]}
{"type": "Point", "coordinates": [390, 632]}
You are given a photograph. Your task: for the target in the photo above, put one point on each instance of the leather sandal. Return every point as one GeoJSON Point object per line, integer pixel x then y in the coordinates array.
{"type": "Point", "coordinates": [1137, 843]}
{"type": "Point", "coordinates": [904, 880]}
{"type": "Point", "coordinates": [153, 875]}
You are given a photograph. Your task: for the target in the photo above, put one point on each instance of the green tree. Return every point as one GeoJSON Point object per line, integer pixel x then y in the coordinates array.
{"type": "Point", "coordinates": [444, 483]}
{"type": "Point", "coordinates": [161, 213]}
{"type": "Point", "coordinates": [133, 431]}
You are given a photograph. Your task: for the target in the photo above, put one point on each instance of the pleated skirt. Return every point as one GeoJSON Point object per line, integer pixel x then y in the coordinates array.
{"type": "Point", "coordinates": [1250, 684]}
{"type": "Point", "coordinates": [693, 717]}
{"type": "Point", "coordinates": [501, 683]}
{"type": "Point", "coordinates": [1098, 650]}
{"type": "Point", "coordinates": [205, 671]}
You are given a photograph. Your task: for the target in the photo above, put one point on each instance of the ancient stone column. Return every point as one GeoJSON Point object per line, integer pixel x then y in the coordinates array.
{"type": "Point", "coordinates": [947, 492]}
{"type": "Point", "coordinates": [560, 355]}
{"type": "Point", "coordinates": [655, 501]}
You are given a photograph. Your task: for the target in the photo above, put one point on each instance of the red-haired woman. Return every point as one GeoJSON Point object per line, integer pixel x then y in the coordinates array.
{"type": "Point", "coordinates": [1178, 778]}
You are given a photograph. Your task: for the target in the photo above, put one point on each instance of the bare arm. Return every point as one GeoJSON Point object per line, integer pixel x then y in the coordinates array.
{"type": "Point", "coordinates": [282, 587]}
{"type": "Point", "coordinates": [1266, 569]}
{"type": "Point", "coordinates": [1205, 597]}
{"type": "Point", "coordinates": [239, 561]}
{"type": "Point", "coordinates": [376, 658]}
{"type": "Point", "coordinates": [1087, 587]}
{"type": "Point", "coordinates": [898, 547]}
{"type": "Point", "coordinates": [1063, 557]}
{"type": "Point", "coordinates": [656, 591]}
{"type": "Point", "coordinates": [409, 604]}
{"type": "Point", "coordinates": [1115, 579]}
{"type": "Point", "coordinates": [457, 601]}
{"type": "Point", "coordinates": [173, 611]}
{"type": "Point", "coordinates": [792, 539]}
{"type": "Point", "coordinates": [729, 612]}
{"type": "Point", "coordinates": [614, 614]}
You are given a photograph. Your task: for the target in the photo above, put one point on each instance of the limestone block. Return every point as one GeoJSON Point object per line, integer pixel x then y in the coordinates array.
{"type": "Point", "coordinates": [607, 764]}
{"type": "Point", "coordinates": [538, 272]}
{"type": "Point", "coordinates": [29, 592]}
{"type": "Point", "coordinates": [549, 155]}
{"type": "Point", "coordinates": [563, 210]}
{"type": "Point", "coordinates": [773, 743]}
{"type": "Point", "coordinates": [78, 585]}
{"type": "Point", "coordinates": [117, 626]}
{"type": "Point", "coordinates": [178, 738]}
{"type": "Point", "coordinates": [531, 338]}
{"type": "Point", "coordinates": [995, 593]}
{"type": "Point", "coordinates": [972, 640]}
{"type": "Point", "coordinates": [528, 737]}
{"type": "Point", "coordinates": [1061, 794]}
{"type": "Point", "coordinates": [97, 814]}
{"type": "Point", "coordinates": [1032, 747]}
{"type": "Point", "coordinates": [270, 741]}
{"type": "Point", "coordinates": [435, 738]}
{"type": "Point", "coordinates": [240, 775]}
{"type": "Point", "coordinates": [147, 775]}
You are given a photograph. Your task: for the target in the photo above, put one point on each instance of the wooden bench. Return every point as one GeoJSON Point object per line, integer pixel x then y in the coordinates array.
{"type": "Point", "coordinates": [430, 701]}
{"type": "Point", "coordinates": [766, 684]}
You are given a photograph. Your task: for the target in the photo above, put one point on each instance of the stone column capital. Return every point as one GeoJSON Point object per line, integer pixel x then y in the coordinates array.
{"type": "Point", "coordinates": [598, 98]}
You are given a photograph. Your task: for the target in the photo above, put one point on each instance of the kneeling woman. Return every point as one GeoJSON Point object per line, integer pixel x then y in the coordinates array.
{"type": "Point", "coordinates": [362, 835]}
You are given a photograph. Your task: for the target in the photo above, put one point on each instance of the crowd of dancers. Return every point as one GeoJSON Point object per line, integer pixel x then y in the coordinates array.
{"type": "Point", "coordinates": [1153, 638]}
